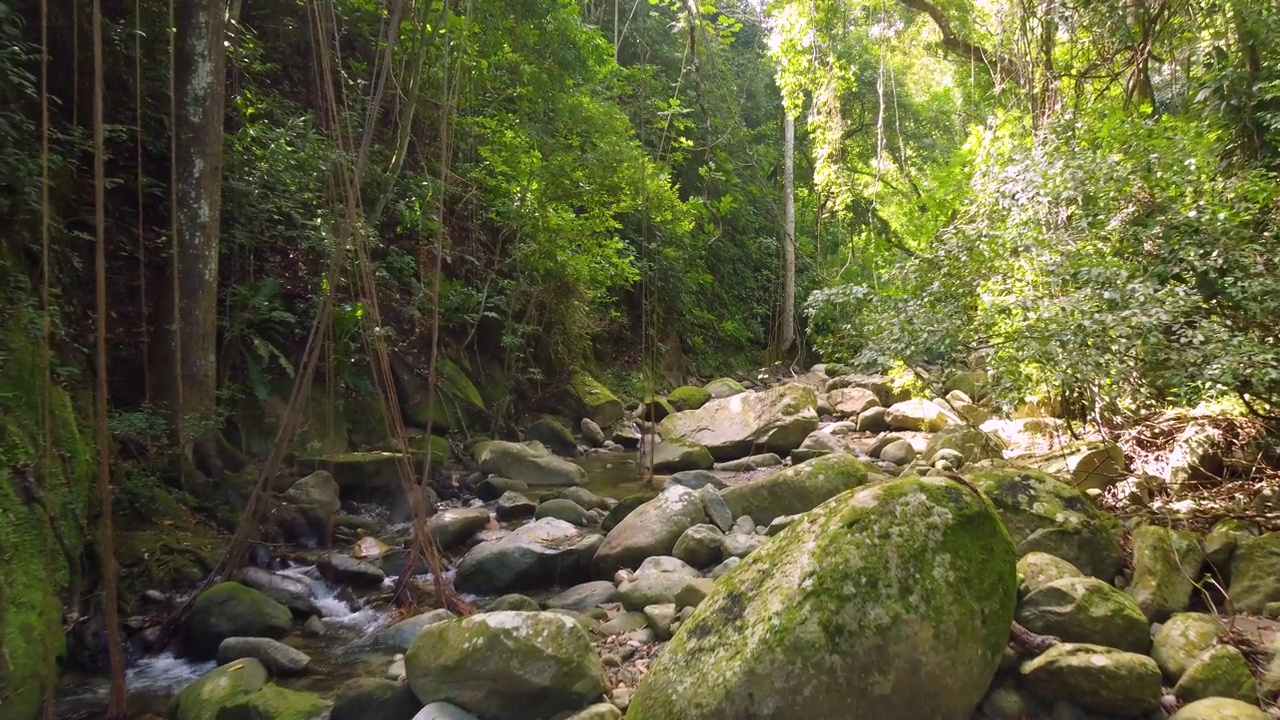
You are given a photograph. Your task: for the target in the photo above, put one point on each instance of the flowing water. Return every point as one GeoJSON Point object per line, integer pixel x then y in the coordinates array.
{"type": "Point", "coordinates": [343, 652]}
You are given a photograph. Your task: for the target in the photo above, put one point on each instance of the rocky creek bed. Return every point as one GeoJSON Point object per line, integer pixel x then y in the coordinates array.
{"type": "Point", "coordinates": [822, 548]}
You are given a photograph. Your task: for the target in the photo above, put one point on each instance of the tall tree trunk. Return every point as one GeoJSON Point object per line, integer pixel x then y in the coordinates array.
{"type": "Point", "coordinates": [787, 324]}
{"type": "Point", "coordinates": [200, 68]}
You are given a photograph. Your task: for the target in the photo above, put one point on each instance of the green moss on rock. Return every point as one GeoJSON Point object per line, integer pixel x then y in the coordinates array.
{"type": "Point", "coordinates": [587, 397]}
{"type": "Point", "coordinates": [274, 703]}
{"type": "Point", "coordinates": [688, 397]}
{"type": "Point", "coordinates": [204, 698]}
{"type": "Point", "coordinates": [230, 609]}
{"type": "Point", "coordinates": [798, 488]}
{"type": "Point", "coordinates": [892, 601]}
{"type": "Point", "coordinates": [1220, 671]}
{"type": "Point", "coordinates": [1166, 566]}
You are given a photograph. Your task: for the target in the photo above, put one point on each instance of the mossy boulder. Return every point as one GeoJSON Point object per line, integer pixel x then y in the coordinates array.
{"type": "Point", "coordinates": [1166, 567]}
{"type": "Point", "coordinates": [651, 529]}
{"type": "Point", "coordinates": [1044, 513]}
{"type": "Point", "coordinates": [775, 420]}
{"type": "Point", "coordinates": [972, 444]}
{"type": "Point", "coordinates": [1220, 544]}
{"type": "Point", "coordinates": [1255, 573]}
{"type": "Point", "coordinates": [204, 698]}
{"type": "Point", "coordinates": [455, 395]}
{"type": "Point", "coordinates": [370, 475]}
{"type": "Point", "coordinates": [688, 397]}
{"type": "Point", "coordinates": [507, 665]}
{"type": "Point", "coordinates": [316, 495]}
{"type": "Point", "coordinates": [1220, 671]}
{"type": "Point", "coordinates": [798, 488]}
{"type": "Point", "coordinates": [1219, 709]}
{"type": "Point", "coordinates": [1037, 569]}
{"type": "Point", "coordinates": [676, 455]}
{"type": "Point", "coordinates": [230, 609]}
{"type": "Point", "coordinates": [513, 602]}
{"type": "Point", "coordinates": [850, 612]}
{"type": "Point", "coordinates": [723, 388]}
{"type": "Point", "coordinates": [566, 510]}
{"type": "Point", "coordinates": [554, 435]}
{"type": "Point", "coordinates": [655, 408]}
{"type": "Point", "coordinates": [374, 699]}
{"type": "Point", "coordinates": [274, 703]}
{"type": "Point", "coordinates": [1086, 610]}
{"type": "Point", "coordinates": [1097, 678]}
{"type": "Point", "coordinates": [587, 397]}
{"type": "Point", "coordinates": [529, 462]}
{"type": "Point", "coordinates": [1181, 639]}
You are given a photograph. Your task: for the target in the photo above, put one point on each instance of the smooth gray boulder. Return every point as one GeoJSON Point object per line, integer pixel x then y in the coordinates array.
{"type": "Point", "coordinates": [544, 552]}
{"type": "Point", "coordinates": [529, 462]}
{"type": "Point", "coordinates": [775, 420]}
{"type": "Point", "coordinates": [274, 655]}
{"type": "Point", "coordinates": [651, 529]}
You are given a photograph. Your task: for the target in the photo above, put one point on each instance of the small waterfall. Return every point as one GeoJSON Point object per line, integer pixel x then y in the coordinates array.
{"type": "Point", "coordinates": [164, 673]}
{"type": "Point", "coordinates": [336, 610]}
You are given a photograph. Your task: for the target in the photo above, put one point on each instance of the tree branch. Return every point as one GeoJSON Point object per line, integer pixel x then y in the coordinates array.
{"type": "Point", "coordinates": [956, 44]}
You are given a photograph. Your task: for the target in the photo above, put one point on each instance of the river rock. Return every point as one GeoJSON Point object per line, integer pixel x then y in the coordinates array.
{"type": "Point", "coordinates": [1037, 569]}
{"type": "Point", "coordinates": [796, 489]}
{"type": "Point", "coordinates": [317, 496]}
{"type": "Point", "coordinates": [1255, 573]}
{"type": "Point", "coordinates": [818, 443]}
{"type": "Point", "coordinates": [1007, 701]}
{"type": "Point", "coordinates": [898, 452]}
{"type": "Point", "coordinates": [884, 387]}
{"type": "Point", "coordinates": [1097, 678]}
{"type": "Point", "coordinates": [1091, 464]}
{"type": "Point", "coordinates": [1220, 544]}
{"type": "Point", "coordinates": [599, 711]}
{"type": "Point", "coordinates": [700, 545]}
{"type": "Point", "coordinates": [873, 420]}
{"type": "Point", "coordinates": [659, 618]}
{"type": "Point", "coordinates": [554, 435]}
{"type": "Point", "coordinates": [716, 508]}
{"type": "Point", "coordinates": [676, 454]}
{"type": "Point", "coordinates": [592, 432]}
{"type": "Point", "coordinates": [544, 552]}
{"type": "Point", "coordinates": [493, 487]}
{"type": "Point", "coordinates": [230, 609]}
{"type": "Point", "coordinates": [688, 397]}
{"type": "Point", "coordinates": [507, 665]}
{"type": "Point", "coordinates": [972, 444]}
{"type": "Point", "coordinates": [723, 388]}
{"type": "Point", "coordinates": [1043, 513]}
{"type": "Point", "coordinates": [904, 585]}
{"type": "Point", "coordinates": [652, 529]}
{"type": "Point", "coordinates": [1219, 709]}
{"type": "Point", "coordinates": [776, 420]}
{"type": "Point", "coordinates": [401, 635]}
{"type": "Point", "coordinates": [513, 602]}
{"type": "Point", "coordinates": [1197, 455]}
{"type": "Point", "coordinates": [585, 396]}
{"type": "Point", "coordinates": [1181, 639]}
{"type": "Point", "coordinates": [585, 596]}
{"type": "Point", "coordinates": [741, 545]}
{"type": "Point", "coordinates": [1166, 566]}
{"type": "Point", "coordinates": [1086, 610]}
{"type": "Point", "coordinates": [750, 463]}
{"type": "Point", "coordinates": [348, 570]}
{"type": "Point", "coordinates": [920, 415]}
{"type": "Point", "coordinates": [1220, 671]}
{"type": "Point", "coordinates": [204, 698]}
{"type": "Point", "coordinates": [723, 568]}
{"type": "Point", "coordinates": [291, 592]}
{"type": "Point", "coordinates": [586, 498]}
{"type": "Point", "coordinates": [514, 506]}
{"type": "Point", "coordinates": [566, 510]}
{"type": "Point", "coordinates": [274, 655]}
{"type": "Point", "coordinates": [658, 580]}
{"type": "Point", "coordinates": [454, 526]}
{"type": "Point", "coordinates": [374, 699]}
{"type": "Point", "coordinates": [655, 407]}
{"type": "Point", "coordinates": [530, 462]}
{"type": "Point", "coordinates": [443, 711]}
{"type": "Point", "coordinates": [851, 402]}
{"type": "Point", "coordinates": [273, 702]}
{"type": "Point", "coordinates": [694, 479]}
{"type": "Point", "coordinates": [622, 509]}
{"type": "Point", "coordinates": [625, 622]}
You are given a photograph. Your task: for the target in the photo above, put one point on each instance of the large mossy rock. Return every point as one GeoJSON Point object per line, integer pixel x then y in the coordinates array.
{"type": "Point", "coordinates": [1086, 610]}
{"type": "Point", "coordinates": [1220, 671]}
{"type": "Point", "coordinates": [1166, 567]}
{"type": "Point", "coordinates": [1255, 573]}
{"type": "Point", "coordinates": [374, 699]}
{"type": "Point", "coordinates": [204, 698]}
{"type": "Point", "coordinates": [507, 665]}
{"type": "Point", "coordinates": [677, 455]}
{"type": "Point", "coordinates": [1219, 709]}
{"type": "Point", "coordinates": [317, 496]}
{"type": "Point", "coordinates": [723, 388]}
{"type": "Point", "coordinates": [1037, 569]}
{"type": "Point", "coordinates": [1097, 678]}
{"type": "Point", "coordinates": [554, 435]}
{"type": "Point", "coordinates": [546, 552]}
{"type": "Point", "coordinates": [1091, 464]}
{"type": "Point", "coordinates": [890, 602]}
{"type": "Point", "coordinates": [776, 420]}
{"type": "Point", "coordinates": [1181, 639]}
{"type": "Point", "coordinates": [274, 703]}
{"type": "Point", "coordinates": [455, 395]}
{"type": "Point", "coordinates": [972, 444]}
{"type": "Point", "coordinates": [798, 488]}
{"type": "Point", "coordinates": [362, 475]}
{"type": "Point", "coordinates": [1044, 513]}
{"type": "Point", "coordinates": [651, 529]}
{"type": "Point", "coordinates": [688, 397]}
{"type": "Point", "coordinates": [587, 397]}
{"type": "Point", "coordinates": [230, 609]}
{"type": "Point", "coordinates": [529, 462]}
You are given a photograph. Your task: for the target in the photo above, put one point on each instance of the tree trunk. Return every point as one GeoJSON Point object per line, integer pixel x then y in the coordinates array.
{"type": "Point", "coordinates": [787, 324]}
{"type": "Point", "coordinates": [200, 87]}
